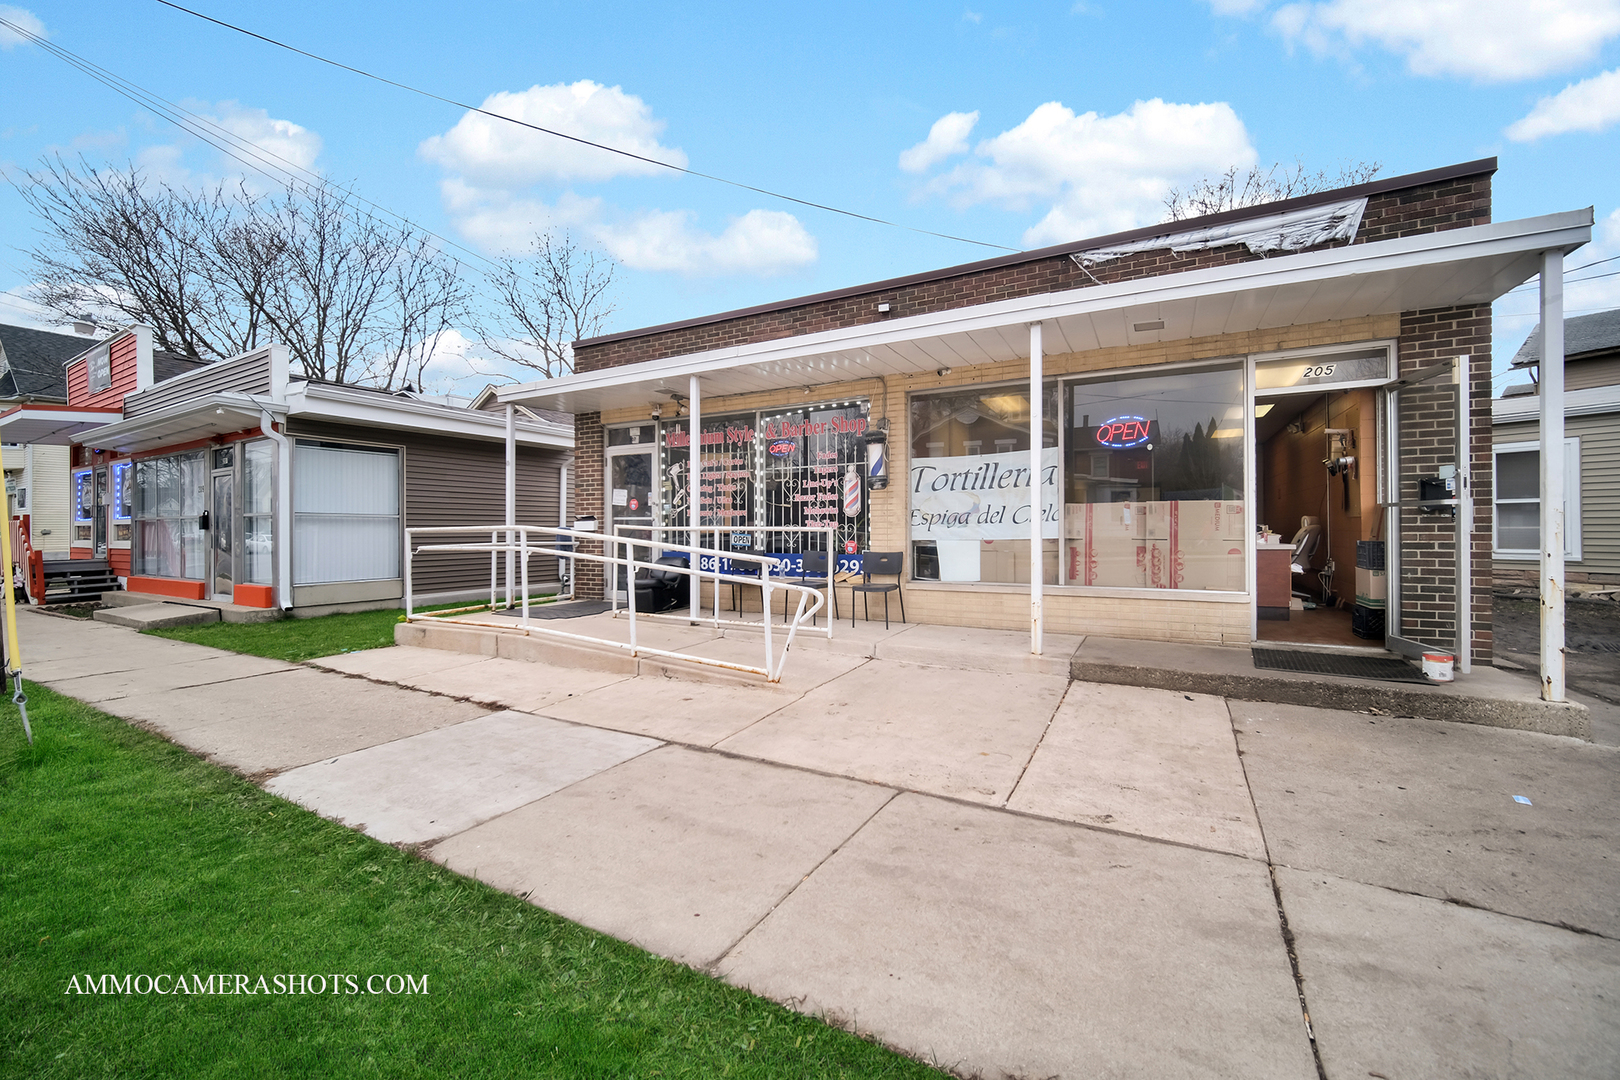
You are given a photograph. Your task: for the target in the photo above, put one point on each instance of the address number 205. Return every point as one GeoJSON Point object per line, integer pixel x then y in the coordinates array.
{"type": "Point", "coordinates": [1319, 371]}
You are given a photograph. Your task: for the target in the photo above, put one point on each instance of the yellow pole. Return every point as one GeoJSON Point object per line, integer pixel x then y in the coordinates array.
{"type": "Point", "coordinates": [13, 653]}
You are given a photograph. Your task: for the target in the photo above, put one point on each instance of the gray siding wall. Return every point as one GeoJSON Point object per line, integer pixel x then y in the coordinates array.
{"type": "Point", "coordinates": [460, 482]}
{"type": "Point", "coordinates": [249, 375]}
{"type": "Point", "coordinates": [1600, 486]}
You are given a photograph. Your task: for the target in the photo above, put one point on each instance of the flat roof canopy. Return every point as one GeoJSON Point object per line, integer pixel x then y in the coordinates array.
{"type": "Point", "coordinates": [199, 418]}
{"type": "Point", "coordinates": [52, 425]}
{"type": "Point", "coordinates": [1473, 265]}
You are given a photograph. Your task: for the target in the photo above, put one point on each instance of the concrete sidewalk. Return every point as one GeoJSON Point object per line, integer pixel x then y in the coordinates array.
{"type": "Point", "coordinates": [999, 871]}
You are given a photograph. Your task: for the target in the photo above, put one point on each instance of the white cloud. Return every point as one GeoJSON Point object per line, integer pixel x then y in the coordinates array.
{"type": "Point", "coordinates": [1589, 105]}
{"type": "Point", "coordinates": [493, 152]}
{"type": "Point", "coordinates": [1100, 173]}
{"type": "Point", "coordinates": [27, 20]}
{"type": "Point", "coordinates": [499, 222]}
{"type": "Point", "coordinates": [286, 140]}
{"type": "Point", "coordinates": [946, 138]}
{"type": "Point", "coordinates": [461, 366]}
{"type": "Point", "coordinates": [758, 242]}
{"type": "Point", "coordinates": [496, 191]}
{"type": "Point", "coordinates": [1486, 40]}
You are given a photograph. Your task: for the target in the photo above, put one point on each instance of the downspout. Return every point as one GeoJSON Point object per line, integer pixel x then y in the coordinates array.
{"type": "Point", "coordinates": [283, 510]}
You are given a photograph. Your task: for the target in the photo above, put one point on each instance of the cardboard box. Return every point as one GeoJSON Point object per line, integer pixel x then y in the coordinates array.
{"type": "Point", "coordinates": [1118, 562]}
{"type": "Point", "coordinates": [1161, 520]}
{"type": "Point", "coordinates": [1211, 564]}
{"type": "Point", "coordinates": [1372, 588]}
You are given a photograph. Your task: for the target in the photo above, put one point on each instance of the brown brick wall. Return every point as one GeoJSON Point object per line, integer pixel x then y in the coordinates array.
{"type": "Point", "coordinates": [1431, 208]}
{"type": "Point", "coordinates": [1427, 441]}
{"type": "Point", "coordinates": [586, 499]}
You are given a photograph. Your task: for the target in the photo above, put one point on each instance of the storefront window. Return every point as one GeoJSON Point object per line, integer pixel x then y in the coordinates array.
{"type": "Point", "coordinates": [969, 485]}
{"type": "Point", "coordinates": [774, 482]}
{"type": "Point", "coordinates": [258, 533]}
{"type": "Point", "coordinates": [168, 502]}
{"type": "Point", "coordinates": [345, 513]}
{"type": "Point", "coordinates": [1154, 482]}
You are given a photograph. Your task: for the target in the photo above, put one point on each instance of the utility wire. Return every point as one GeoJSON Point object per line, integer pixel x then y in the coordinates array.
{"type": "Point", "coordinates": [1572, 270]}
{"type": "Point", "coordinates": [204, 129]}
{"type": "Point", "coordinates": [577, 139]}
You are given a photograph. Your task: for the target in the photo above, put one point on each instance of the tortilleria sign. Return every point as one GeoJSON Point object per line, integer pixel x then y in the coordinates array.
{"type": "Point", "coordinates": [985, 497]}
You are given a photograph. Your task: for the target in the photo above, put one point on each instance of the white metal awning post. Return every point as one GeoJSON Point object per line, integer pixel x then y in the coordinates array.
{"type": "Point", "coordinates": [511, 497]}
{"type": "Point", "coordinates": [1552, 476]}
{"type": "Point", "coordinates": [1465, 516]}
{"type": "Point", "coordinates": [695, 471]}
{"type": "Point", "coordinates": [1037, 439]}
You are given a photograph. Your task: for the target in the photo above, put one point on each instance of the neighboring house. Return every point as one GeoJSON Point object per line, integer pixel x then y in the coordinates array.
{"type": "Point", "coordinates": [1591, 459]}
{"type": "Point", "coordinates": [1193, 381]}
{"type": "Point", "coordinates": [36, 475]}
{"type": "Point", "coordinates": [236, 481]}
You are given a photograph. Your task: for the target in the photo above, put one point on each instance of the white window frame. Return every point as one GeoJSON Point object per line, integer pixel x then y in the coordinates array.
{"type": "Point", "coordinates": [1572, 501]}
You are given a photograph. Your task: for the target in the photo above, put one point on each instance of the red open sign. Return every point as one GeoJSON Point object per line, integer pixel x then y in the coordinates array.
{"type": "Point", "coordinates": [1124, 432]}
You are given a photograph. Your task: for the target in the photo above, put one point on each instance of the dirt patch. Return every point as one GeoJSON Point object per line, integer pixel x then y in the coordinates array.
{"type": "Point", "coordinates": [1591, 641]}
{"type": "Point", "coordinates": [73, 611]}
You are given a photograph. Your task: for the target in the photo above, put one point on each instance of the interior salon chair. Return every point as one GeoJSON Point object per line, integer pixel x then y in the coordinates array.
{"type": "Point", "coordinates": [1309, 554]}
{"type": "Point", "coordinates": [658, 589]}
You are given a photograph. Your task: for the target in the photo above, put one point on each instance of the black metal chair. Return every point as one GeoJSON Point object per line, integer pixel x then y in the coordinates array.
{"type": "Point", "coordinates": [746, 570]}
{"type": "Point", "coordinates": [813, 571]}
{"type": "Point", "coordinates": [884, 564]}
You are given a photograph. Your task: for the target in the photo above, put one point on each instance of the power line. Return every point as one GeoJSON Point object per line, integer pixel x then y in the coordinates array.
{"type": "Point", "coordinates": [1572, 270]}
{"type": "Point", "coordinates": [578, 139]}
{"type": "Point", "coordinates": [204, 129]}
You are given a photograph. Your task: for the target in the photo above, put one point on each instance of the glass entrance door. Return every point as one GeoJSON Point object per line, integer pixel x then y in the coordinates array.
{"type": "Point", "coordinates": [222, 522]}
{"type": "Point", "coordinates": [630, 510]}
{"type": "Point", "coordinates": [99, 528]}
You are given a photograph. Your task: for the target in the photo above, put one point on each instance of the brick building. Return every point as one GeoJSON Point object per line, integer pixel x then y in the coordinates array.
{"type": "Point", "coordinates": [1300, 365]}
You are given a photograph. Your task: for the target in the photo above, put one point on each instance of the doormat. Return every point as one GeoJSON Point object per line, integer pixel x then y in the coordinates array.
{"type": "Point", "coordinates": [568, 609]}
{"type": "Point", "coordinates": [1383, 669]}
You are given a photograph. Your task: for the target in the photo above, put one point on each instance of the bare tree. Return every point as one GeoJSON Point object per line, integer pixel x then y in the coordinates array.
{"type": "Point", "coordinates": [1233, 190]}
{"type": "Point", "coordinates": [120, 246]}
{"type": "Point", "coordinates": [544, 303]}
{"type": "Point", "coordinates": [217, 273]}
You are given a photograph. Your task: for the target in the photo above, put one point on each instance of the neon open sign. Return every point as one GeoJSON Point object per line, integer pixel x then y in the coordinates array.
{"type": "Point", "coordinates": [1124, 432]}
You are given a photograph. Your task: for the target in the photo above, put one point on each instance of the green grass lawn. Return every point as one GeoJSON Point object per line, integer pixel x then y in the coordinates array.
{"type": "Point", "coordinates": [297, 640]}
{"type": "Point", "coordinates": [122, 855]}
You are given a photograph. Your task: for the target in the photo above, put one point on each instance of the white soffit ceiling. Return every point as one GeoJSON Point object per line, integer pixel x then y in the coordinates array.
{"type": "Point", "coordinates": [1474, 265]}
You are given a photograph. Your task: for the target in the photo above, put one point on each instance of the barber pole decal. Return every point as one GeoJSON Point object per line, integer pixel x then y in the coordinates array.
{"type": "Point", "coordinates": [852, 492]}
{"type": "Point", "coordinates": [877, 461]}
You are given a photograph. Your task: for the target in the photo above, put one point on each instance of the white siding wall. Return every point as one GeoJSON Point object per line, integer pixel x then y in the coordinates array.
{"type": "Point", "coordinates": [1600, 486]}
{"type": "Point", "coordinates": [48, 478]}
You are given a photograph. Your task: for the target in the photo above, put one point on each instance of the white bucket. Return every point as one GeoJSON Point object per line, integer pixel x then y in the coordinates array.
{"type": "Point", "coordinates": [1437, 667]}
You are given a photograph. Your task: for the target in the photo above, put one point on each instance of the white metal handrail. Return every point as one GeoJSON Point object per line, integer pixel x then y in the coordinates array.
{"type": "Point", "coordinates": [809, 604]}
{"type": "Point", "coordinates": [622, 533]}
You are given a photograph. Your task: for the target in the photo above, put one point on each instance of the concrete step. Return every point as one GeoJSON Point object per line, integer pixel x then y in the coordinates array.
{"type": "Point", "coordinates": [228, 612]}
{"type": "Point", "coordinates": [155, 616]}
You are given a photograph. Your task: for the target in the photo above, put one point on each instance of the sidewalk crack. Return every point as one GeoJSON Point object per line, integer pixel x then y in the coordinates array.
{"type": "Point", "coordinates": [713, 966]}
{"type": "Point", "coordinates": [1276, 895]}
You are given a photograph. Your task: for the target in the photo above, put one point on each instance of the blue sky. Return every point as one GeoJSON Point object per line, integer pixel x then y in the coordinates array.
{"type": "Point", "coordinates": [1016, 125]}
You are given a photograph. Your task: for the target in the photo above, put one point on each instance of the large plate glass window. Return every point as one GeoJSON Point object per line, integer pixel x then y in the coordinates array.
{"type": "Point", "coordinates": [1154, 481]}
{"type": "Point", "coordinates": [797, 471]}
{"type": "Point", "coordinates": [169, 499]}
{"type": "Point", "coordinates": [970, 489]}
{"type": "Point", "coordinates": [123, 496]}
{"type": "Point", "coordinates": [345, 513]}
{"type": "Point", "coordinates": [258, 493]}
{"type": "Point", "coordinates": [84, 507]}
